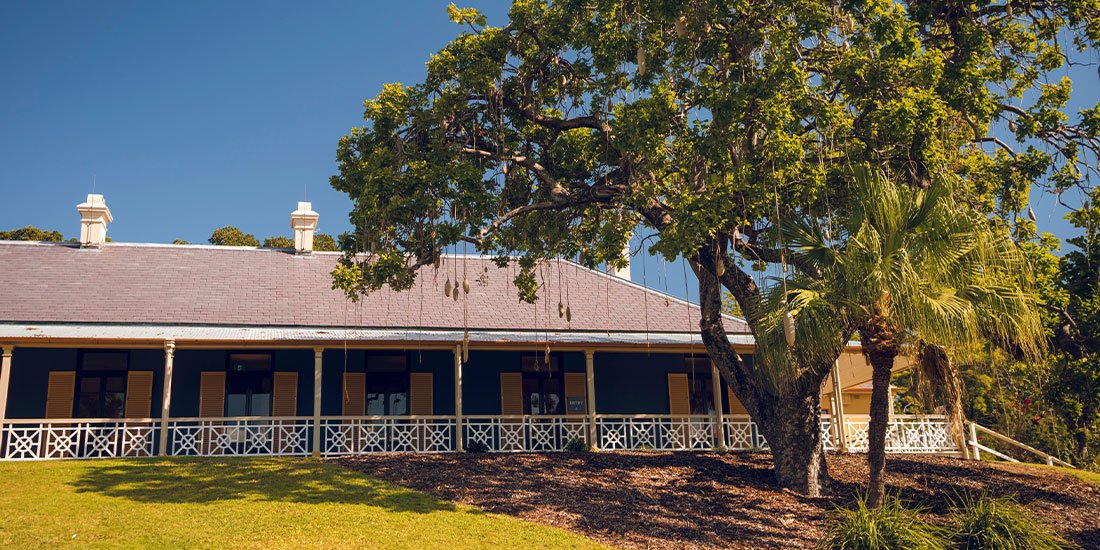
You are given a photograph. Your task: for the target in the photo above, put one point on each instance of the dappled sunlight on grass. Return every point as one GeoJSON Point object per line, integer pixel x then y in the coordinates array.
{"type": "Point", "coordinates": [254, 502]}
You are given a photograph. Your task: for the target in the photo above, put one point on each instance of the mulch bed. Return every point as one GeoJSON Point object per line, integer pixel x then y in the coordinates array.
{"type": "Point", "coordinates": [707, 500]}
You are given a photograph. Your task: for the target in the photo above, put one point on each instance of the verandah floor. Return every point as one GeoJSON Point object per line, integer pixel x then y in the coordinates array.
{"type": "Point", "coordinates": [240, 503]}
{"type": "Point", "coordinates": [686, 500]}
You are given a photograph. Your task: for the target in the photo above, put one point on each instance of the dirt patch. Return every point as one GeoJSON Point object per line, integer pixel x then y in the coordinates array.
{"type": "Point", "coordinates": [697, 500]}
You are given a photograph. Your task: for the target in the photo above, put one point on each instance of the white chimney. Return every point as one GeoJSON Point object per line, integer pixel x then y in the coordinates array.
{"type": "Point", "coordinates": [624, 272]}
{"type": "Point", "coordinates": [94, 217]}
{"type": "Point", "coordinates": [304, 222]}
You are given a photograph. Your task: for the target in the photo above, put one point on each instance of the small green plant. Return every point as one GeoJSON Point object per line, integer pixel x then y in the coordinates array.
{"type": "Point", "coordinates": [986, 522]}
{"type": "Point", "coordinates": [577, 445]}
{"type": "Point", "coordinates": [477, 447]}
{"type": "Point", "coordinates": [889, 527]}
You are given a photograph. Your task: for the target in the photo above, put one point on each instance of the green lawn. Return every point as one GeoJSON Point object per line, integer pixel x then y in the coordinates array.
{"type": "Point", "coordinates": [256, 503]}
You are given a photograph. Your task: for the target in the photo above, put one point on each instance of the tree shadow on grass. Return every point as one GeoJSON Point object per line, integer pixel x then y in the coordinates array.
{"type": "Point", "coordinates": [212, 480]}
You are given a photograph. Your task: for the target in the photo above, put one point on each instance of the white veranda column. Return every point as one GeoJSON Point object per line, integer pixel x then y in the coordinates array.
{"type": "Point", "coordinates": [458, 398]}
{"type": "Point", "coordinates": [838, 412]}
{"type": "Point", "coordinates": [166, 395]}
{"type": "Point", "coordinates": [5, 379]}
{"type": "Point", "coordinates": [590, 379]}
{"type": "Point", "coordinates": [720, 419]}
{"type": "Point", "coordinates": [318, 356]}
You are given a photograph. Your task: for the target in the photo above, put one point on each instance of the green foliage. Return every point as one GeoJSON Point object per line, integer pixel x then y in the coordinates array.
{"type": "Point", "coordinates": [180, 241]}
{"type": "Point", "coordinates": [231, 236]}
{"type": "Point", "coordinates": [986, 523]}
{"type": "Point", "coordinates": [323, 242]}
{"type": "Point", "coordinates": [31, 233]}
{"type": "Point", "coordinates": [888, 527]}
{"type": "Point", "coordinates": [477, 447]}
{"type": "Point", "coordinates": [577, 445]}
{"type": "Point", "coordinates": [278, 242]}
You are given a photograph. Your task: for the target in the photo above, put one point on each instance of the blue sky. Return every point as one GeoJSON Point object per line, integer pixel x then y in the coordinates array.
{"type": "Point", "coordinates": [195, 115]}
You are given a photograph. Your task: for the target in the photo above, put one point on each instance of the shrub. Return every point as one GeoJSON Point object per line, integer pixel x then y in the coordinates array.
{"type": "Point", "coordinates": [577, 445]}
{"type": "Point", "coordinates": [477, 447]}
{"type": "Point", "coordinates": [890, 527]}
{"type": "Point", "coordinates": [985, 522]}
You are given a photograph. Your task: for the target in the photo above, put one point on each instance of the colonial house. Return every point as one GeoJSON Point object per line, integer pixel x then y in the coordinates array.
{"type": "Point", "coordinates": [120, 349]}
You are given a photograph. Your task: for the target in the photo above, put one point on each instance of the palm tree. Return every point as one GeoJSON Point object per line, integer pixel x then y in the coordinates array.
{"type": "Point", "coordinates": [910, 265]}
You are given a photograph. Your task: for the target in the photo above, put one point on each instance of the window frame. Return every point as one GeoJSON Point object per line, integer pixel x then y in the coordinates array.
{"type": "Point", "coordinates": [102, 374]}
{"type": "Point", "coordinates": [704, 379]}
{"type": "Point", "coordinates": [402, 377]}
{"type": "Point", "coordinates": [269, 373]}
{"type": "Point", "coordinates": [554, 371]}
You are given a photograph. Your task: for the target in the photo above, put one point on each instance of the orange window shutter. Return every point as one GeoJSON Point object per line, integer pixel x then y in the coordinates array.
{"type": "Point", "coordinates": [511, 393]}
{"type": "Point", "coordinates": [420, 393]}
{"type": "Point", "coordinates": [139, 394]}
{"type": "Point", "coordinates": [735, 406]}
{"type": "Point", "coordinates": [284, 399]}
{"type": "Point", "coordinates": [679, 400]}
{"type": "Point", "coordinates": [59, 394]}
{"type": "Point", "coordinates": [212, 395]}
{"type": "Point", "coordinates": [575, 386]}
{"type": "Point", "coordinates": [355, 394]}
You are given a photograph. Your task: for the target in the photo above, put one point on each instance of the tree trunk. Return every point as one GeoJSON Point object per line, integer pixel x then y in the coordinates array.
{"type": "Point", "coordinates": [793, 431]}
{"type": "Point", "coordinates": [882, 368]}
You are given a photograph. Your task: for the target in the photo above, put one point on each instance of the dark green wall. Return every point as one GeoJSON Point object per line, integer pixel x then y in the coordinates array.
{"type": "Point", "coordinates": [626, 383]}
{"type": "Point", "coordinates": [31, 369]}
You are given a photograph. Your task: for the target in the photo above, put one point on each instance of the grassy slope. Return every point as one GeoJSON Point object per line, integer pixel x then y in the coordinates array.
{"type": "Point", "coordinates": [250, 502]}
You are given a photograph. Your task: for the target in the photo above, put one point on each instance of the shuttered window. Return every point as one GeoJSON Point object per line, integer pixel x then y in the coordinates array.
{"type": "Point", "coordinates": [212, 395]}
{"type": "Point", "coordinates": [511, 393]}
{"type": "Point", "coordinates": [575, 392]}
{"type": "Point", "coordinates": [679, 400]}
{"type": "Point", "coordinates": [420, 393]}
{"type": "Point", "coordinates": [285, 395]}
{"type": "Point", "coordinates": [101, 384]}
{"type": "Point", "coordinates": [355, 391]}
{"type": "Point", "coordinates": [139, 394]}
{"type": "Point", "coordinates": [59, 394]}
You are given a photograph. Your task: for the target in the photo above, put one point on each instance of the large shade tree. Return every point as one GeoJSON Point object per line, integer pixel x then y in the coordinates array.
{"type": "Point", "coordinates": [703, 123]}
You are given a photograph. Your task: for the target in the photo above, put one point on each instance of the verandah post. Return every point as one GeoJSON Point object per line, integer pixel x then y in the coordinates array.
{"type": "Point", "coordinates": [838, 413]}
{"type": "Point", "coordinates": [719, 417]}
{"type": "Point", "coordinates": [458, 398]}
{"type": "Point", "coordinates": [318, 356]}
{"type": "Point", "coordinates": [5, 379]}
{"type": "Point", "coordinates": [166, 395]}
{"type": "Point", "coordinates": [590, 379]}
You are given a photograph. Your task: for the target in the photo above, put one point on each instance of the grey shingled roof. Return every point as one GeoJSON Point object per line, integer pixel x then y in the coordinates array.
{"type": "Point", "coordinates": [138, 284]}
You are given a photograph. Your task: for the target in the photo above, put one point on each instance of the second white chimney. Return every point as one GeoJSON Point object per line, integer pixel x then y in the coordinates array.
{"type": "Point", "coordinates": [94, 217]}
{"type": "Point", "coordinates": [304, 222]}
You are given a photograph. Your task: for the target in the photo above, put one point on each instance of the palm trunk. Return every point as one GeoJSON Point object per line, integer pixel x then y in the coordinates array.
{"type": "Point", "coordinates": [882, 368]}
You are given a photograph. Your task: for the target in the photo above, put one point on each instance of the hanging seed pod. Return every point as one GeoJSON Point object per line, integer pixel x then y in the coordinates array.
{"type": "Point", "coordinates": [1030, 213]}
{"type": "Point", "coordinates": [438, 261]}
{"type": "Point", "coordinates": [641, 60]}
{"type": "Point", "coordinates": [568, 314]}
{"type": "Point", "coordinates": [466, 350]}
{"type": "Point", "coordinates": [720, 267]}
{"type": "Point", "coordinates": [546, 357]}
{"type": "Point", "coordinates": [454, 293]}
{"type": "Point", "coordinates": [465, 285]}
{"type": "Point", "coordinates": [561, 310]}
{"type": "Point", "coordinates": [736, 236]}
{"type": "Point", "coordinates": [1008, 8]}
{"type": "Point", "coordinates": [788, 328]}
{"type": "Point", "coordinates": [1012, 126]}
{"type": "Point", "coordinates": [447, 287]}
{"type": "Point", "coordinates": [681, 26]}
